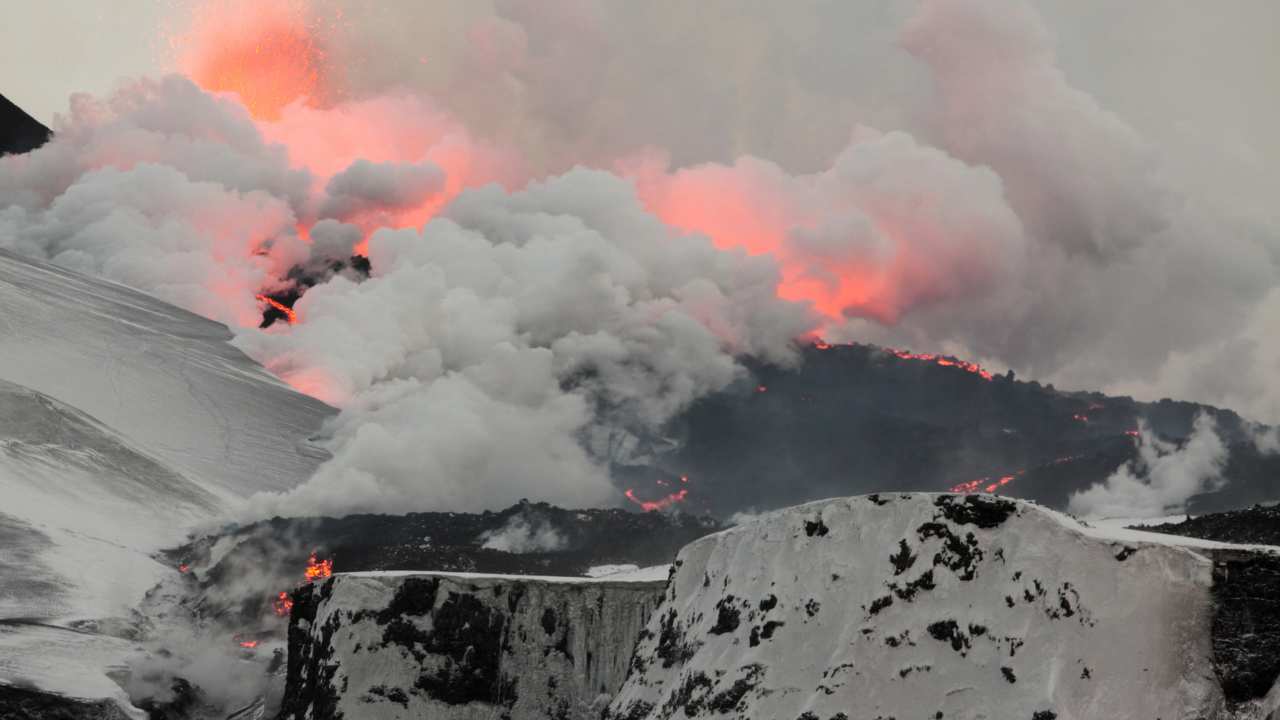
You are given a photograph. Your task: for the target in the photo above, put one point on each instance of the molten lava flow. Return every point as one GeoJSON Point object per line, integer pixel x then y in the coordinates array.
{"type": "Point", "coordinates": [290, 315]}
{"type": "Point", "coordinates": [991, 484]}
{"type": "Point", "coordinates": [942, 360]}
{"type": "Point", "coordinates": [282, 604]}
{"type": "Point", "coordinates": [318, 569]}
{"type": "Point", "coordinates": [661, 503]}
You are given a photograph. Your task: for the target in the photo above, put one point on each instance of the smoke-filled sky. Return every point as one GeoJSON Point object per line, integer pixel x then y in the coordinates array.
{"type": "Point", "coordinates": [579, 212]}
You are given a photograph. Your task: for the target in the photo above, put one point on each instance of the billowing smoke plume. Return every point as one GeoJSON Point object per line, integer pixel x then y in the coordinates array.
{"type": "Point", "coordinates": [1161, 479]}
{"type": "Point", "coordinates": [1112, 277]}
{"type": "Point", "coordinates": [577, 214]}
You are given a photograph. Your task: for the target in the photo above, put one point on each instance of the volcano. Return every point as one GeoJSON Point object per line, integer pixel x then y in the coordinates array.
{"type": "Point", "coordinates": [19, 132]}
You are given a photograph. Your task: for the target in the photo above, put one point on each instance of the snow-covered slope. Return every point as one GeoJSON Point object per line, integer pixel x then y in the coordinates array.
{"type": "Point", "coordinates": [937, 606]}
{"type": "Point", "coordinates": [124, 422]}
{"type": "Point", "coordinates": [465, 646]}
{"type": "Point", "coordinates": [162, 377]}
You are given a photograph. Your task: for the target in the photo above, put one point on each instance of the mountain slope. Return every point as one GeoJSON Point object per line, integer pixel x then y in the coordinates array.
{"type": "Point", "coordinates": [859, 418]}
{"type": "Point", "coordinates": [124, 423]}
{"type": "Point", "coordinates": [19, 132]}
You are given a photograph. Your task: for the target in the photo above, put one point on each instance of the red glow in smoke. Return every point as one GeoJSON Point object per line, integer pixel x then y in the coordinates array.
{"type": "Point", "coordinates": [265, 53]}
{"type": "Point", "coordinates": [248, 644]}
{"type": "Point", "coordinates": [661, 503]}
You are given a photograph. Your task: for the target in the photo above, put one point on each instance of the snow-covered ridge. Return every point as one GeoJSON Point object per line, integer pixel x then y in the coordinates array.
{"type": "Point", "coordinates": [124, 423]}
{"type": "Point", "coordinates": [462, 645]}
{"type": "Point", "coordinates": [925, 605]}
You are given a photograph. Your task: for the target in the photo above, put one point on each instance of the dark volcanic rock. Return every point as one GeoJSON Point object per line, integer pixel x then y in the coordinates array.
{"type": "Point", "coordinates": [19, 132]}
{"type": "Point", "coordinates": [17, 703]}
{"type": "Point", "coordinates": [1246, 624]}
{"type": "Point", "coordinates": [1258, 525]}
{"type": "Point", "coordinates": [855, 419]}
{"type": "Point", "coordinates": [452, 646]}
{"type": "Point", "coordinates": [436, 541]}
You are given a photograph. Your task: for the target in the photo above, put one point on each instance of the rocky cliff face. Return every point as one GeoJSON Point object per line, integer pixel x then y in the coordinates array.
{"type": "Point", "coordinates": [940, 606]}
{"type": "Point", "coordinates": [399, 645]}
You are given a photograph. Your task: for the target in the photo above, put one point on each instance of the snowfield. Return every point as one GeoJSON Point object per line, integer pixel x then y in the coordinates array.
{"type": "Point", "coordinates": [925, 605]}
{"type": "Point", "coordinates": [124, 423]}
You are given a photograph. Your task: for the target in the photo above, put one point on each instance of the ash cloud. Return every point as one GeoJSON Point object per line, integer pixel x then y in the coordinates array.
{"type": "Point", "coordinates": [1161, 479]}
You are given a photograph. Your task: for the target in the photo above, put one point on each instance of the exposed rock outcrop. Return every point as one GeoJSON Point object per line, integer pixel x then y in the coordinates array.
{"type": "Point", "coordinates": [399, 645]}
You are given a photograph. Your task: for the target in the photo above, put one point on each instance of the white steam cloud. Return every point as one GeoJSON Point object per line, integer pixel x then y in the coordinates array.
{"type": "Point", "coordinates": [1161, 479]}
{"type": "Point", "coordinates": [523, 534]}
{"type": "Point", "coordinates": [669, 181]}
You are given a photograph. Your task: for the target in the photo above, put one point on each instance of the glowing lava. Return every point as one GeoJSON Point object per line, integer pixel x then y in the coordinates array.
{"type": "Point", "coordinates": [939, 360]}
{"type": "Point", "coordinates": [316, 569]}
{"type": "Point", "coordinates": [290, 315]}
{"type": "Point", "coordinates": [661, 503]}
{"type": "Point", "coordinates": [942, 360]}
{"type": "Point", "coordinates": [992, 483]}
{"type": "Point", "coordinates": [282, 604]}
{"type": "Point", "coordinates": [248, 644]}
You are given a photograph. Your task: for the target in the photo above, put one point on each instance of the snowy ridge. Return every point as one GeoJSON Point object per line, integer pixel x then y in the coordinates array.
{"type": "Point", "coordinates": [925, 605]}
{"type": "Point", "coordinates": [125, 422]}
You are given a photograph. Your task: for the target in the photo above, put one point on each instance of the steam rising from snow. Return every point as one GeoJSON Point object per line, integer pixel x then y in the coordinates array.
{"type": "Point", "coordinates": [1161, 479]}
{"type": "Point", "coordinates": [524, 534]}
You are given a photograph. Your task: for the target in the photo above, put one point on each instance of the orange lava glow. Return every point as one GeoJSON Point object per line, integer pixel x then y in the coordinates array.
{"type": "Point", "coordinates": [265, 53]}
{"type": "Point", "coordinates": [248, 644]}
{"type": "Point", "coordinates": [318, 569]}
{"type": "Point", "coordinates": [282, 605]}
{"type": "Point", "coordinates": [944, 361]}
{"type": "Point", "coordinates": [289, 315]}
{"type": "Point", "coordinates": [661, 503]}
{"type": "Point", "coordinates": [940, 360]}
{"type": "Point", "coordinates": [992, 484]}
